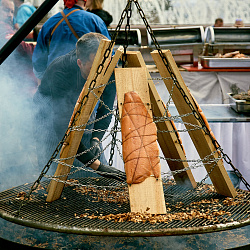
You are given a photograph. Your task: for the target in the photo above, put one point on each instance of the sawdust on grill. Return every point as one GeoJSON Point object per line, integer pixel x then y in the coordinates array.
{"type": "Point", "coordinates": [102, 203]}
{"type": "Point", "coordinates": [208, 209]}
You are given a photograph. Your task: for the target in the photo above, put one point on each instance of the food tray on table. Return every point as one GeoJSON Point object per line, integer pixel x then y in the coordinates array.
{"type": "Point", "coordinates": [217, 62]}
{"type": "Point", "coordinates": [241, 106]}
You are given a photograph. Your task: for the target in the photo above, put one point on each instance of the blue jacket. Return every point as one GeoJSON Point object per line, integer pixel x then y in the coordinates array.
{"type": "Point", "coordinates": [23, 13]}
{"type": "Point", "coordinates": [63, 40]}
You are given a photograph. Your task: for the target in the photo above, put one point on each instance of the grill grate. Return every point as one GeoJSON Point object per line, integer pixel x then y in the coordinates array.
{"type": "Point", "coordinates": [67, 213]}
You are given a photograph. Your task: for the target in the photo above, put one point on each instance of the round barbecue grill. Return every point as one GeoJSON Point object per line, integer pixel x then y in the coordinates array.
{"type": "Point", "coordinates": [102, 212]}
{"type": "Point", "coordinates": [94, 212]}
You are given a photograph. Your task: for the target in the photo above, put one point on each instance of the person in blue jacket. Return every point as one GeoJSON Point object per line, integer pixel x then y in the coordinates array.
{"type": "Point", "coordinates": [55, 101]}
{"type": "Point", "coordinates": [24, 12]}
{"type": "Point", "coordinates": [60, 33]}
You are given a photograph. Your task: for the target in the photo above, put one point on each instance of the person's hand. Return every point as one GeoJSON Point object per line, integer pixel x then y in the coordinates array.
{"type": "Point", "coordinates": [95, 143]}
{"type": "Point", "coordinates": [111, 172]}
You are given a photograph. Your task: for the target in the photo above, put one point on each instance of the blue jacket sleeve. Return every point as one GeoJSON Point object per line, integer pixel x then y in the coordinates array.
{"type": "Point", "coordinates": [24, 12]}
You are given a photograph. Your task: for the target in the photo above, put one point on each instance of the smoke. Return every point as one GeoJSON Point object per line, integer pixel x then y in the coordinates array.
{"type": "Point", "coordinates": [18, 163]}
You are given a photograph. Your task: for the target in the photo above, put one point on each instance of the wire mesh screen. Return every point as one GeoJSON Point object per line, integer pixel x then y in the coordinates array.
{"type": "Point", "coordinates": [89, 206]}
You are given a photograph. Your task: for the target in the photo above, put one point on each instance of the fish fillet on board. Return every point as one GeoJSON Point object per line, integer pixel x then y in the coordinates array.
{"type": "Point", "coordinates": [139, 140]}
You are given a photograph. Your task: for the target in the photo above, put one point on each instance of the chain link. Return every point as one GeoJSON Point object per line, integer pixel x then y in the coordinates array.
{"type": "Point", "coordinates": [113, 142]}
{"type": "Point", "coordinates": [127, 29]}
{"type": "Point", "coordinates": [116, 186]}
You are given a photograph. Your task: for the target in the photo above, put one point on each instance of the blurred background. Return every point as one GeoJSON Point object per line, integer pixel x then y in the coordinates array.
{"type": "Point", "coordinates": [176, 12]}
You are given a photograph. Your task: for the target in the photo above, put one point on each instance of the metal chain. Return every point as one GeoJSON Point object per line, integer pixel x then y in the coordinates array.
{"type": "Point", "coordinates": [81, 127]}
{"type": "Point", "coordinates": [171, 118]}
{"type": "Point", "coordinates": [195, 166]}
{"type": "Point", "coordinates": [62, 161]}
{"type": "Point", "coordinates": [113, 142]}
{"type": "Point", "coordinates": [79, 154]}
{"type": "Point", "coordinates": [127, 29]}
{"type": "Point", "coordinates": [208, 174]}
{"type": "Point", "coordinates": [205, 161]}
{"type": "Point", "coordinates": [196, 114]}
{"type": "Point", "coordinates": [116, 186]}
{"type": "Point", "coordinates": [170, 97]}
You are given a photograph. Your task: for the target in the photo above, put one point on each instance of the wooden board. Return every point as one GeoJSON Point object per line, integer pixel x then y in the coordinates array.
{"type": "Point", "coordinates": [169, 142]}
{"type": "Point", "coordinates": [72, 142]}
{"type": "Point", "coordinates": [202, 141]}
{"type": "Point", "coordinates": [132, 79]}
{"type": "Point", "coordinates": [148, 195]}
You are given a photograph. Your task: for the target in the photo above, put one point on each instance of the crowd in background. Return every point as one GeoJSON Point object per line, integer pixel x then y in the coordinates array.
{"type": "Point", "coordinates": [220, 23]}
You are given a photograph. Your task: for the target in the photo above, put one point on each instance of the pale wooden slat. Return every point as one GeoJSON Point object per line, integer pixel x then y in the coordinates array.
{"type": "Point", "coordinates": [147, 195]}
{"type": "Point", "coordinates": [202, 142]}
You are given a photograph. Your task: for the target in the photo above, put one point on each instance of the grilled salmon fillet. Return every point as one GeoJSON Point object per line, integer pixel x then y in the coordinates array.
{"type": "Point", "coordinates": [139, 140]}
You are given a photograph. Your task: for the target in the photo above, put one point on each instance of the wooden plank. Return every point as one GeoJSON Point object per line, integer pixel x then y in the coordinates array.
{"type": "Point", "coordinates": [72, 142]}
{"type": "Point", "coordinates": [202, 141]}
{"type": "Point", "coordinates": [147, 195]}
{"type": "Point", "coordinates": [170, 143]}
{"type": "Point", "coordinates": [134, 80]}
